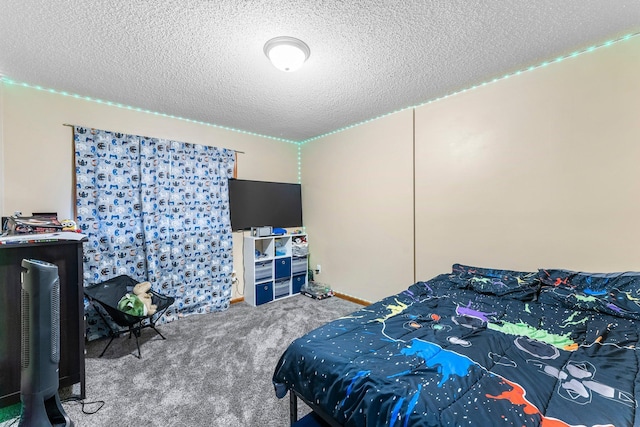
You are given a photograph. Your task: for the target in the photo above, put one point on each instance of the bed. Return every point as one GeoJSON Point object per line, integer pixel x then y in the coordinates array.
{"type": "Point", "coordinates": [477, 346]}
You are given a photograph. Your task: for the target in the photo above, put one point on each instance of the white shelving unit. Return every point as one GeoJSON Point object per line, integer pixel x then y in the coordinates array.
{"type": "Point", "coordinates": [274, 267]}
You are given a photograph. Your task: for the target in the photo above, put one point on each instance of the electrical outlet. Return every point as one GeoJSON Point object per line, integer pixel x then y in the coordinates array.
{"type": "Point", "coordinates": [318, 269]}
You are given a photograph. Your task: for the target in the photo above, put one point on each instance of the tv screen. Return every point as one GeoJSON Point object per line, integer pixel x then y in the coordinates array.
{"type": "Point", "coordinates": [262, 203]}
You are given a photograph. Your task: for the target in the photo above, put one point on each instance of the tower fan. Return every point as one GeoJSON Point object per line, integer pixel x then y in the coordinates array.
{"type": "Point", "coordinates": [40, 355]}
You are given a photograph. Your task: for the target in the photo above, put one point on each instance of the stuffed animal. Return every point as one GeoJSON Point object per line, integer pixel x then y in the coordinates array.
{"type": "Point", "coordinates": [131, 304]}
{"type": "Point", "coordinates": [139, 303]}
{"type": "Point", "coordinates": [141, 290]}
{"type": "Point", "coordinates": [69, 225]}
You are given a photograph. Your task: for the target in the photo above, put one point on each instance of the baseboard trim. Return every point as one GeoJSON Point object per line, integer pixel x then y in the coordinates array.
{"type": "Point", "coordinates": [237, 300]}
{"type": "Point", "coordinates": [352, 299]}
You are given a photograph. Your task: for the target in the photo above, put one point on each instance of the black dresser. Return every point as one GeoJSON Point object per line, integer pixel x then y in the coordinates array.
{"type": "Point", "coordinates": [67, 255]}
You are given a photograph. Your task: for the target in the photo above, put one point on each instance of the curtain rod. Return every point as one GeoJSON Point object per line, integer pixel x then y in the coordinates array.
{"type": "Point", "coordinates": [71, 126]}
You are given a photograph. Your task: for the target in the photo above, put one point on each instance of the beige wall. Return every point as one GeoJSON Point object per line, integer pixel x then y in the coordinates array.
{"type": "Point", "coordinates": [537, 170]}
{"type": "Point", "coordinates": [357, 206]}
{"type": "Point", "coordinates": [38, 149]}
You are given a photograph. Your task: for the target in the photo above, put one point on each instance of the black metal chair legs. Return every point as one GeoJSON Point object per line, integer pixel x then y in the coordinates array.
{"type": "Point", "coordinates": [108, 294]}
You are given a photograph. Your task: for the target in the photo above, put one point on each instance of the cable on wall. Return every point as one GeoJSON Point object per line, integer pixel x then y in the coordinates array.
{"type": "Point", "coordinates": [413, 183]}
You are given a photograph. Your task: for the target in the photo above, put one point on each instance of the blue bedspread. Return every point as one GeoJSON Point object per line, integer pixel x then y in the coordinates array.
{"type": "Point", "coordinates": [454, 352]}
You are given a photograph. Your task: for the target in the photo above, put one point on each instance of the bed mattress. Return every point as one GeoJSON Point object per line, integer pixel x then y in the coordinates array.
{"type": "Point", "coordinates": [478, 347]}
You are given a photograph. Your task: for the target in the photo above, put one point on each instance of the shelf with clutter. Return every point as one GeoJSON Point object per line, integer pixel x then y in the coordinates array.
{"type": "Point", "coordinates": [274, 266]}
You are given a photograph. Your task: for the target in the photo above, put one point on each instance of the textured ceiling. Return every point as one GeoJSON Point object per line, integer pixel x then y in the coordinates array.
{"type": "Point", "coordinates": [203, 60]}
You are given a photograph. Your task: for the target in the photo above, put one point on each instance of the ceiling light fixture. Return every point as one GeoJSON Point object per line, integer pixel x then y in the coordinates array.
{"type": "Point", "coordinates": [286, 53]}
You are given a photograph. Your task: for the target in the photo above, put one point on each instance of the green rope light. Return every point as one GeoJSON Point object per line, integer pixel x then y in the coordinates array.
{"type": "Point", "coordinates": [299, 164]}
{"type": "Point", "coordinates": [515, 73]}
{"type": "Point", "coordinates": [9, 81]}
{"type": "Point", "coordinates": [299, 143]}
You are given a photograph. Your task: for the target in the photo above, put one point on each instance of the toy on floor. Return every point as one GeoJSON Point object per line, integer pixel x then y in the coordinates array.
{"type": "Point", "coordinates": [316, 290]}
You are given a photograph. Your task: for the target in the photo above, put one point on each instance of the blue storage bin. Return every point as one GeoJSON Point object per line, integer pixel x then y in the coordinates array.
{"type": "Point", "coordinates": [297, 283]}
{"type": "Point", "coordinates": [283, 267]}
{"type": "Point", "coordinates": [264, 293]}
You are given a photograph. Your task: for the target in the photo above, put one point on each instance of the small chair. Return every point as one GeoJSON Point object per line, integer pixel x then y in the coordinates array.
{"type": "Point", "coordinates": [109, 293]}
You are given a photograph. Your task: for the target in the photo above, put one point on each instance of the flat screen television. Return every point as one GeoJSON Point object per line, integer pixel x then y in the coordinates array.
{"type": "Point", "coordinates": [263, 203]}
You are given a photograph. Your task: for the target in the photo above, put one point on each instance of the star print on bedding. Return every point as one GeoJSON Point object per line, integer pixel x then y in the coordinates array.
{"type": "Point", "coordinates": [437, 354]}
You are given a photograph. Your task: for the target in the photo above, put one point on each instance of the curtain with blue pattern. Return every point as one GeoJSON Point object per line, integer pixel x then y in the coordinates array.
{"type": "Point", "coordinates": [158, 211]}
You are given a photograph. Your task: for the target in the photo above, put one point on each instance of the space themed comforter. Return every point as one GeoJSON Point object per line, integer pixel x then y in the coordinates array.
{"type": "Point", "coordinates": [479, 347]}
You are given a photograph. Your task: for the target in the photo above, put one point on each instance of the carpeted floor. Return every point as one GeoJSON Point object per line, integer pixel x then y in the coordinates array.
{"type": "Point", "coordinates": [212, 370]}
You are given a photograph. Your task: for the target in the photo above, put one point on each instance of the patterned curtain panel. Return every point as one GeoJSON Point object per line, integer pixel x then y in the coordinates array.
{"type": "Point", "coordinates": [158, 211]}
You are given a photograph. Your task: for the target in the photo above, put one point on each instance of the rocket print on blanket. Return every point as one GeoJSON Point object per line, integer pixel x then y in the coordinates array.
{"type": "Point", "coordinates": [576, 383]}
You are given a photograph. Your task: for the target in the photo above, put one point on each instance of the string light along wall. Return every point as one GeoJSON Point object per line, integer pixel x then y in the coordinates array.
{"type": "Point", "coordinates": [516, 73]}
{"type": "Point", "coordinates": [9, 81]}
{"type": "Point", "coordinates": [12, 82]}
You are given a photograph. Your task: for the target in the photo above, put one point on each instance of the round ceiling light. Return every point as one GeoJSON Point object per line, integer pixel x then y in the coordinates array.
{"type": "Point", "coordinates": [286, 53]}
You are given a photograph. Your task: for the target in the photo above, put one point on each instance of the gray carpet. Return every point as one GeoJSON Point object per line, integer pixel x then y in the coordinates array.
{"type": "Point", "coordinates": [212, 370]}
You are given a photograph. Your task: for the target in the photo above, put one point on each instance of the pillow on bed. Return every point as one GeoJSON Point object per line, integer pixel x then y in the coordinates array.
{"type": "Point", "coordinates": [611, 293]}
{"type": "Point", "coordinates": [521, 285]}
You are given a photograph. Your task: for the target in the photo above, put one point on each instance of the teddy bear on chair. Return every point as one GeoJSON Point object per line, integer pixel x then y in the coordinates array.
{"type": "Point", "coordinates": [141, 290]}
{"type": "Point", "coordinates": [139, 303]}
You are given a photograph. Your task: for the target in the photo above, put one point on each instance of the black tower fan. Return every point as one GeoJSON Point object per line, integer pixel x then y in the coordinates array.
{"type": "Point", "coordinates": [40, 346]}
